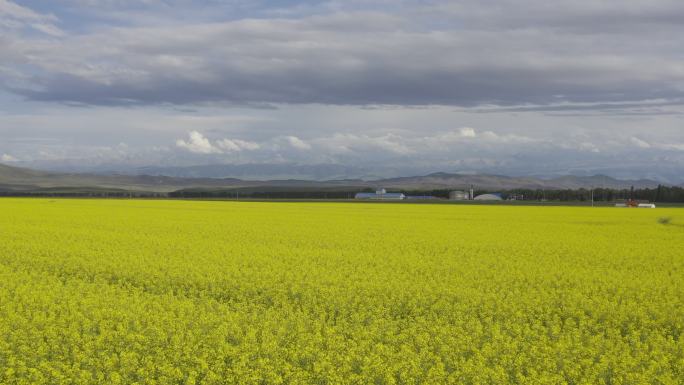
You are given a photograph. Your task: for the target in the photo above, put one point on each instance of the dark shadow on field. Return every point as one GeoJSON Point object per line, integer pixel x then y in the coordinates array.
{"type": "Point", "coordinates": [667, 221]}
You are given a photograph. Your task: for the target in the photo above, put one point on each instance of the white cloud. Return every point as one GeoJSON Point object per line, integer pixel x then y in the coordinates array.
{"type": "Point", "coordinates": [392, 143]}
{"type": "Point", "coordinates": [298, 143]}
{"type": "Point", "coordinates": [588, 146]}
{"type": "Point", "coordinates": [236, 145]}
{"type": "Point", "coordinates": [469, 137]}
{"type": "Point", "coordinates": [639, 143]}
{"type": "Point", "coordinates": [247, 145]}
{"type": "Point", "coordinates": [14, 16]}
{"type": "Point", "coordinates": [468, 132]}
{"type": "Point", "coordinates": [198, 144]}
{"type": "Point", "coordinates": [673, 146]}
{"type": "Point", "coordinates": [15, 11]}
{"type": "Point", "coordinates": [365, 145]}
{"type": "Point", "coordinates": [506, 138]}
{"type": "Point", "coordinates": [8, 158]}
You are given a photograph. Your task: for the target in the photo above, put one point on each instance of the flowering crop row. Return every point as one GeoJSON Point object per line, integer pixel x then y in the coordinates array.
{"type": "Point", "coordinates": [182, 292]}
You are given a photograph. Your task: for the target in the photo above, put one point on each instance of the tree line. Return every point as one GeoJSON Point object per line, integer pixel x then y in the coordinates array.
{"type": "Point", "coordinates": [670, 194]}
{"type": "Point", "coordinates": [662, 193]}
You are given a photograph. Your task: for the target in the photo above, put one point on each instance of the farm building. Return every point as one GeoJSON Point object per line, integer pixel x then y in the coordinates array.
{"type": "Point", "coordinates": [420, 197]}
{"type": "Point", "coordinates": [639, 205]}
{"type": "Point", "coordinates": [489, 197]}
{"type": "Point", "coordinates": [380, 194]}
{"type": "Point", "coordinates": [458, 195]}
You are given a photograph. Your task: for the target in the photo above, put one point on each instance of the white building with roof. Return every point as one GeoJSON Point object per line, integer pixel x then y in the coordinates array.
{"type": "Point", "coordinates": [380, 194]}
{"type": "Point", "coordinates": [489, 197]}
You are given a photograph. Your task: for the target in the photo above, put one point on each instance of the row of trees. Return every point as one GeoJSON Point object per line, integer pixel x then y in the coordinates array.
{"type": "Point", "coordinates": [236, 194]}
{"type": "Point", "coordinates": [658, 194]}
{"type": "Point", "coordinates": [82, 194]}
{"type": "Point", "coordinates": [661, 193]}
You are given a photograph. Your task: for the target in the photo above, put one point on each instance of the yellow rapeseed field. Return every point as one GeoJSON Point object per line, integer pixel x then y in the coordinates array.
{"type": "Point", "coordinates": [195, 292]}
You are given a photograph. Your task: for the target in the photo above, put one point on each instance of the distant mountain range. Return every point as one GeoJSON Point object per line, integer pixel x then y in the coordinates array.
{"type": "Point", "coordinates": [15, 179]}
{"type": "Point", "coordinates": [667, 173]}
{"type": "Point", "coordinates": [23, 179]}
{"type": "Point", "coordinates": [257, 171]}
{"type": "Point", "coordinates": [442, 180]}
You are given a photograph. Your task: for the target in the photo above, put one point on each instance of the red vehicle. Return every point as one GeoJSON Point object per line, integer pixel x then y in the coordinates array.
{"type": "Point", "coordinates": [631, 202]}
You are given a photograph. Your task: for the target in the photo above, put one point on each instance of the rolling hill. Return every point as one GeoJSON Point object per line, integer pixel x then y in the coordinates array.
{"type": "Point", "coordinates": [16, 179]}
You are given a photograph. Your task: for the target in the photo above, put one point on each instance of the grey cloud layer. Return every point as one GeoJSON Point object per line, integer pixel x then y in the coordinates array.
{"type": "Point", "coordinates": [409, 86]}
{"type": "Point", "coordinates": [451, 53]}
{"type": "Point", "coordinates": [388, 141]}
{"type": "Point", "coordinates": [14, 17]}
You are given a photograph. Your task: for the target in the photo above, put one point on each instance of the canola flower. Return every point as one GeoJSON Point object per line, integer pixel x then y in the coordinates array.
{"type": "Point", "coordinates": [196, 292]}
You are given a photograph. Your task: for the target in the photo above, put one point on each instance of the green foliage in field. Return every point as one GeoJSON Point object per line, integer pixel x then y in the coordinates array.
{"type": "Point", "coordinates": [179, 292]}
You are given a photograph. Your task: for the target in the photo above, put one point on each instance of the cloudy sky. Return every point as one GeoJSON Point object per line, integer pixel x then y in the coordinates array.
{"type": "Point", "coordinates": [531, 87]}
